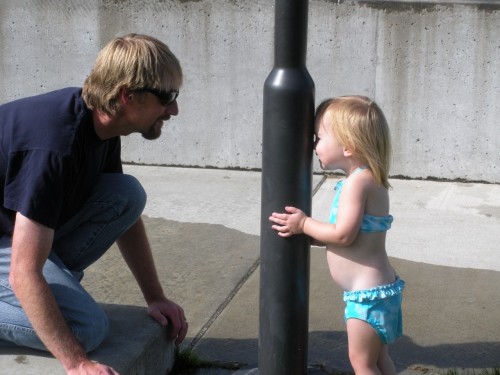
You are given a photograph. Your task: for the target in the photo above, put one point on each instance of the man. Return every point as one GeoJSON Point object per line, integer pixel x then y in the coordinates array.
{"type": "Point", "coordinates": [65, 201]}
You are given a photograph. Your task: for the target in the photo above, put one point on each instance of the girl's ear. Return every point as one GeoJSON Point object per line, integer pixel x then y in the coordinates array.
{"type": "Point", "coordinates": [348, 152]}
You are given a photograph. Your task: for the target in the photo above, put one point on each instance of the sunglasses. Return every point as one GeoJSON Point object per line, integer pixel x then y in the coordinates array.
{"type": "Point", "coordinates": [165, 97]}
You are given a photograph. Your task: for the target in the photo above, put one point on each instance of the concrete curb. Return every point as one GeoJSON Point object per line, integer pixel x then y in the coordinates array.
{"type": "Point", "coordinates": [136, 345]}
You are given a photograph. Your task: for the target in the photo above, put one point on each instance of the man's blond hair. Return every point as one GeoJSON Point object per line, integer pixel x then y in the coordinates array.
{"type": "Point", "coordinates": [133, 61]}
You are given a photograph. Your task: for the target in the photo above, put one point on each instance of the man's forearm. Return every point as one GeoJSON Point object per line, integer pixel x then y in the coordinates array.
{"type": "Point", "coordinates": [135, 249]}
{"type": "Point", "coordinates": [31, 246]}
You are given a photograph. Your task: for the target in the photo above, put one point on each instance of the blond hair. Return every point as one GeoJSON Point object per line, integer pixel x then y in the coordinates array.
{"type": "Point", "coordinates": [360, 125]}
{"type": "Point", "coordinates": [134, 61]}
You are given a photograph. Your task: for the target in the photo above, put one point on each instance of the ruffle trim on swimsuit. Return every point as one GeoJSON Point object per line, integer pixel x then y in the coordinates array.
{"type": "Point", "coordinates": [379, 292]}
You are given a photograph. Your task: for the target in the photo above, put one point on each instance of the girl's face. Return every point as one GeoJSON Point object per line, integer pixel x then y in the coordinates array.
{"type": "Point", "coordinates": [328, 148]}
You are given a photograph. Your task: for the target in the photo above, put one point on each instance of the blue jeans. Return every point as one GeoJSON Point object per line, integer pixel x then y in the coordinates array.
{"type": "Point", "coordinates": [113, 207]}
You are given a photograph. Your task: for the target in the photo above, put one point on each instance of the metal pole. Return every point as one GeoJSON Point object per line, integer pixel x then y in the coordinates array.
{"type": "Point", "coordinates": [286, 180]}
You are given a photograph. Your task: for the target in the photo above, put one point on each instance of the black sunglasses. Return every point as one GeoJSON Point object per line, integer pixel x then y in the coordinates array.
{"type": "Point", "coordinates": [165, 97]}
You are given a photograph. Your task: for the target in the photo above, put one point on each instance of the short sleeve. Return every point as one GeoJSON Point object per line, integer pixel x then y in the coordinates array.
{"type": "Point", "coordinates": [34, 185]}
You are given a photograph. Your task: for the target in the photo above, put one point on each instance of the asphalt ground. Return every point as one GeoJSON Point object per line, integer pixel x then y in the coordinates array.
{"type": "Point", "coordinates": [204, 230]}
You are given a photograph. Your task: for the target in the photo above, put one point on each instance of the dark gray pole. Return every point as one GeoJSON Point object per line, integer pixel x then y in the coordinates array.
{"type": "Point", "coordinates": [286, 180]}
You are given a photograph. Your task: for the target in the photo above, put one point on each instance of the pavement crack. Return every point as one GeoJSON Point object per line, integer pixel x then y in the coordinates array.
{"type": "Point", "coordinates": [223, 305]}
{"type": "Point", "coordinates": [317, 187]}
{"type": "Point", "coordinates": [235, 290]}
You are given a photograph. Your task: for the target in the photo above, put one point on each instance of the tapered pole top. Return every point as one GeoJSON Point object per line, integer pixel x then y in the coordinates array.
{"type": "Point", "coordinates": [290, 33]}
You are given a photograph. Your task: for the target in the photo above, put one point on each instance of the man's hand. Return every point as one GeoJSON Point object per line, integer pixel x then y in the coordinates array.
{"type": "Point", "coordinates": [290, 223]}
{"type": "Point", "coordinates": [136, 251]}
{"type": "Point", "coordinates": [92, 368]}
{"type": "Point", "coordinates": [166, 312]}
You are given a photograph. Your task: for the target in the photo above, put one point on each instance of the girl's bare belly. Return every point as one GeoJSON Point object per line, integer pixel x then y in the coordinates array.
{"type": "Point", "coordinates": [362, 265]}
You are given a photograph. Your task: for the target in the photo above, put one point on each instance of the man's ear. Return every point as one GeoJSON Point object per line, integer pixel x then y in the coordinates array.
{"type": "Point", "coordinates": [125, 96]}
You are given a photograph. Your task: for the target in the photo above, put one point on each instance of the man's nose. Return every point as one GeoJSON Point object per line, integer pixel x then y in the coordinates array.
{"type": "Point", "coordinates": [172, 109]}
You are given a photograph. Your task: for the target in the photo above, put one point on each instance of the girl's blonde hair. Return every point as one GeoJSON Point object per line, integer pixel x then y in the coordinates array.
{"type": "Point", "coordinates": [134, 61]}
{"type": "Point", "coordinates": [360, 125]}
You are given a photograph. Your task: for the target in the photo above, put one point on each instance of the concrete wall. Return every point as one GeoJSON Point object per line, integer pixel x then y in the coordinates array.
{"type": "Point", "coordinates": [433, 67]}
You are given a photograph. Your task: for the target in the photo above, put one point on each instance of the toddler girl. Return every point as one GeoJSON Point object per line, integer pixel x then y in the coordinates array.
{"type": "Point", "coordinates": [352, 135]}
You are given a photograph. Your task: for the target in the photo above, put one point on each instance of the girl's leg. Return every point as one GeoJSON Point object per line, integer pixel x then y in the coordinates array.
{"type": "Point", "coordinates": [385, 364]}
{"type": "Point", "coordinates": [365, 347]}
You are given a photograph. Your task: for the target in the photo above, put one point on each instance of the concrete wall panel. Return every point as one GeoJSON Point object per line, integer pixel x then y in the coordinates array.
{"type": "Point", "coordinates": [438, 80]}
{"type": "Point", "coordinates": [432, 66]}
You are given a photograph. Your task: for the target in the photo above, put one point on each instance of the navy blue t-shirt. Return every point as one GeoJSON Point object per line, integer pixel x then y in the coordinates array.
{"type": "Point", "coordinates": [50, 158]}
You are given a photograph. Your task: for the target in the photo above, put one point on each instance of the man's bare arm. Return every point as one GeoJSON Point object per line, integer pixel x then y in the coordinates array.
{"type": "Point", "coordinates": [31, 245]}
{"type": "Point", "coordinates": [136, 251]}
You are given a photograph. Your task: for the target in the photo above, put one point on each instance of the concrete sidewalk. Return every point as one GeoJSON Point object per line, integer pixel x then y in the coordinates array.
{"type": "Point", "coordinates": [204, 229]}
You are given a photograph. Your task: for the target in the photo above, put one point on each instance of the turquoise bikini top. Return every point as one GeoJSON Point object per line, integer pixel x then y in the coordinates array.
{"type": "Point", "coordinates": [370, 223]}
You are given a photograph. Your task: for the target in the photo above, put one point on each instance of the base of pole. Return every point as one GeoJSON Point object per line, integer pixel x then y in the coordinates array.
{"type": "Point", "coordinates": [255, 371]}
{"type": "Point", "coordinates": [247, 371]}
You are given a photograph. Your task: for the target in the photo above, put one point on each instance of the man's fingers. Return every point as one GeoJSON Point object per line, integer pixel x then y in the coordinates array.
{"type": "Point", "coordinates": [157, 315]}
{"type": "Point", "coordinates": [182, 333]}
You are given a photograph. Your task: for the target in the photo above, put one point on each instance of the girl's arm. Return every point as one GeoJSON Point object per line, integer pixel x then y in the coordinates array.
{"type": "Point", "coordinates": [343, 233]}
{"type": "Point", "coordinates": [295, 222]}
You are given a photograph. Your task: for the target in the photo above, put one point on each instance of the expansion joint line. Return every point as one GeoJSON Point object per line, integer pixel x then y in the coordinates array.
{"type": "Point", "coordinates": [236, 289]}
{"type": "Point", "coordinates": [223, 305]}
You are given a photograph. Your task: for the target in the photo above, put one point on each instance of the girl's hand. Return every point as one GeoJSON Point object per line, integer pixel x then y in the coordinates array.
{"type": "Point", "coordinates": [288, 224]}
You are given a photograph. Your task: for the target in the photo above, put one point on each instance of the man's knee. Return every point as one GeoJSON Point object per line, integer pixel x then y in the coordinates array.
{"type": "Point", "coordinates": [91, 333]}
{"type": "Point", "coordinates": [131, 191]}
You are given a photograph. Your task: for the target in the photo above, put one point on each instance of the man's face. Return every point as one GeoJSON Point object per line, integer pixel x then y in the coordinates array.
{"type": "Point", "coordinates": [151, 113]}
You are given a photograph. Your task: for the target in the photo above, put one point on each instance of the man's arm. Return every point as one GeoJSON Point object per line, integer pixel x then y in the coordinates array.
{"type": "Point", "coordinates": [136, 251]}
{"type": "Point", "coordinates": [31, 245]}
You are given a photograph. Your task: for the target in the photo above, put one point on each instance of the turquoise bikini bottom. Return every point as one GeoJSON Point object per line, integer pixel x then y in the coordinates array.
{"type": "Point", "coordinates": [380, 307]}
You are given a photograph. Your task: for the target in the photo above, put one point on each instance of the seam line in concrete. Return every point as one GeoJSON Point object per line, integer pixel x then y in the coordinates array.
{"type": "Point", "coordinates": [229, 298]}
{"type": "Point", "coordinates": [223, 305]}
{"type": "Point", "coordinates": [315, 190]}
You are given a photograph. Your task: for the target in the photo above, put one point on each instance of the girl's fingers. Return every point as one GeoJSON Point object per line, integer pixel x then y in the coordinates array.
{"type": "Point", "coordinates": [282, 230]}
{"type": "Point", "coordinates": [278, 218]}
